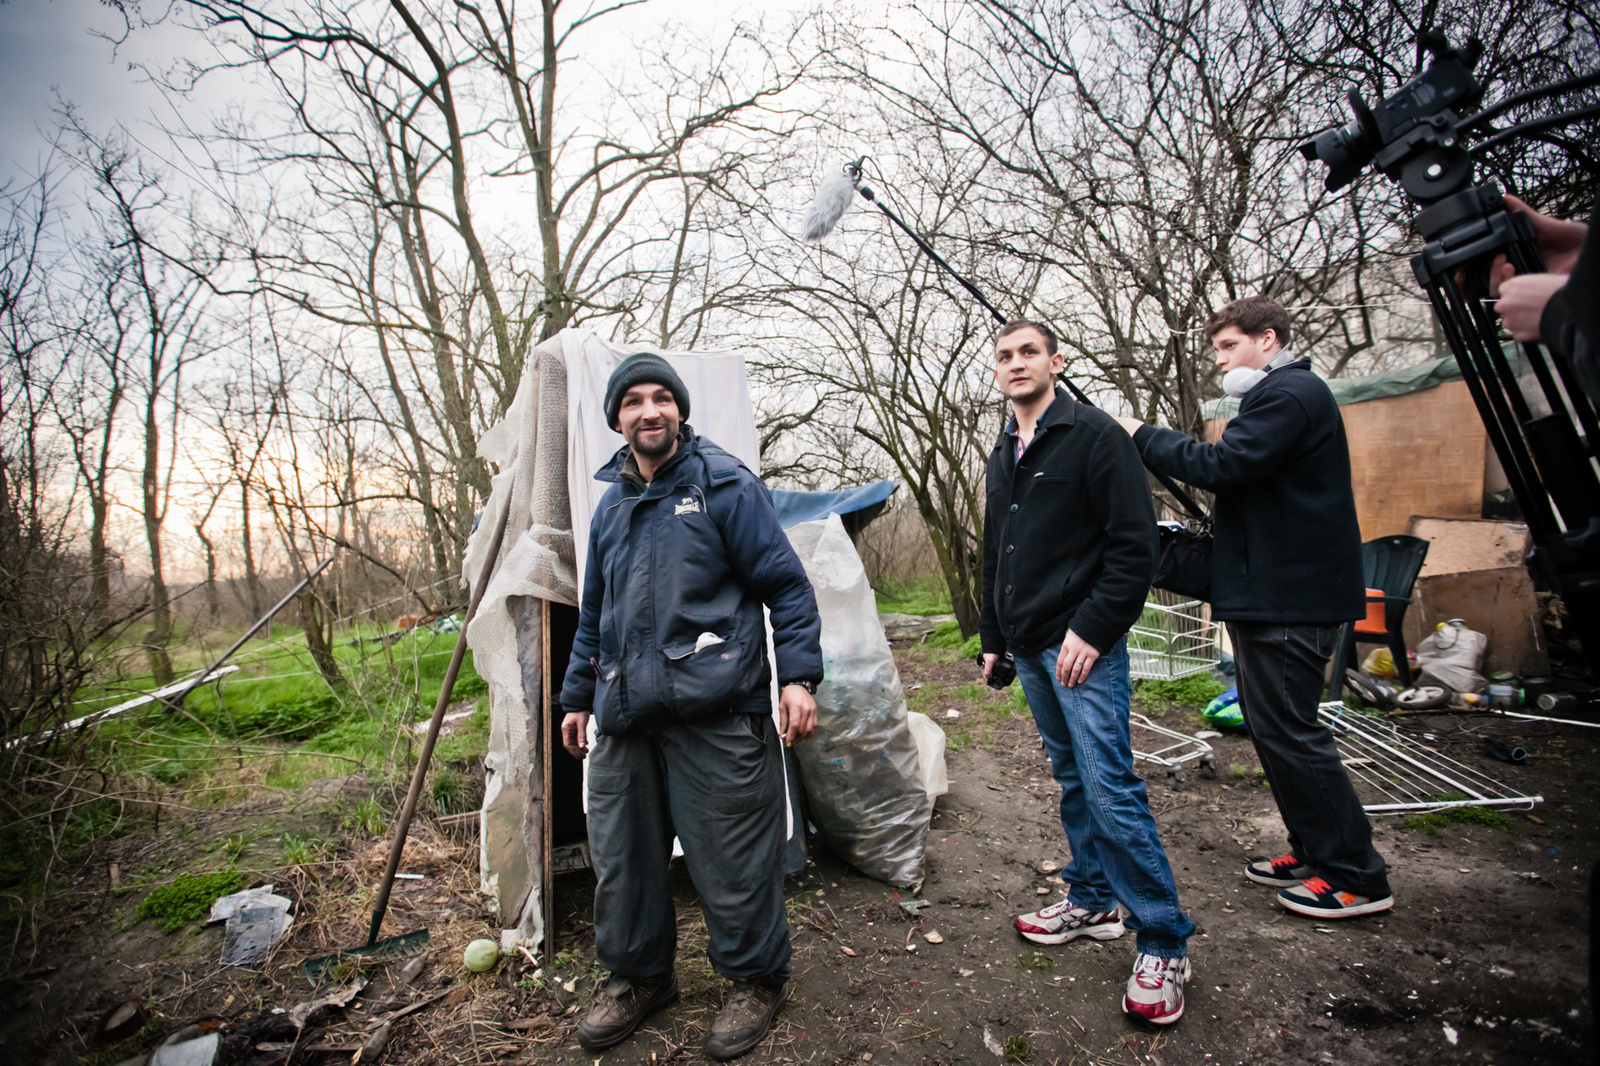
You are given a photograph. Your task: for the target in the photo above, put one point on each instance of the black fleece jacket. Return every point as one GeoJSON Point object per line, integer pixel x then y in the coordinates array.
{"type": "Point", "coordinates": [1571, 320]}
{"type": "Point", "coordinates": [1069, 534]}
{"type": "Point", "coordinates": [1288, 546]}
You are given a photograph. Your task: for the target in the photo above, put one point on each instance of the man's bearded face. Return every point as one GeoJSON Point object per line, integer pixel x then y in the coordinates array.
{"type": "Point", "coordinates": [649, 420]}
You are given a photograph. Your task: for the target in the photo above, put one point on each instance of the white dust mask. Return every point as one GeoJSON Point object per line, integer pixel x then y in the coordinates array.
{"type": "Point", "coordinates": [1241, 379]}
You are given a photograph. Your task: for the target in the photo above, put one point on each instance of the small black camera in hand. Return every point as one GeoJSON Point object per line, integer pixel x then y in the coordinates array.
{"type": "Point", "coordinates": [1004, 672]}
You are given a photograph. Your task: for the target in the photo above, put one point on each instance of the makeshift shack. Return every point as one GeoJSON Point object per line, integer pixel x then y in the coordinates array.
{"type": "Point", "coordinates": [547, 449]}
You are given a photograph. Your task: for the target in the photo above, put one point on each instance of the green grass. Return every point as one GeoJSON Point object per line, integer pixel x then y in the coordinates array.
{"type": "Point", "coordinates": [948, 635]}
{"type": "Point", "coordinates": [1194, 692]}
{"type": "Point", "coordinates": [1016, 1049]}
{"type": "Point", "coordinates": [919, 595]}
{"type": "Point", "coordinates": [1471, 814]}
{"type": "Point", "coordinates": [1032, 960]}
{"type": "Point", "coordinates": [189, 897]}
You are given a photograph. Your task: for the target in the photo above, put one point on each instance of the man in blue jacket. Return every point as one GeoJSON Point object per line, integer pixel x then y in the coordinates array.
{"type": "Point", "coordinates": [1285, 574]}
{"type": "Point", "coordinates": [671, 660]}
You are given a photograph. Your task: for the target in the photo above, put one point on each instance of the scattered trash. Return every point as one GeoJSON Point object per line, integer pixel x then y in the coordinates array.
{"type": "Point", "coordinates": [1502, 971]}
{"type": "Point", "coordinates": [847, 951]}
{"type": "Point", "coordinates": [191, 1051]}
{"type": "Point", "coordinates": [411, 877]}
{"type": "Point", "coordinates": [1207, 734]}
{"type": "Point", "coordinates": [1555, 853]}
{"type": "Point", "coordinates": [302, 1013]}
{"type": "Point", "coordinates": [1049, 866]}
{"type": "Point", "coordinates": [372, 1050]}
{"type": "Point", "coordinates": [951, 712]}
{"type": "Point", "coordinates": [913, 907]}
{"type": "Point", "coordinates": [481, 956]}
{"type": "Point", "coordinates": [1224, 713]}
{"type": "Point", "coordinates": [932, 936]}
{"type": "Point", "coordinates": [256, 919]}
{"type": "Point", "coordinates": [411, 970]}
{"type": "Point", "coordinates": [1041, 891]}
{"type": "Point", "coordinates": [1496, 750]}
{"type": "Point", "coordinates": [1535, 819]}
{"type": "Point", "coordinates": [527, 1025]}
{"type": "Point", "coordinates": [1450, 1034]}
{"type": "Point", "coordinates": [570, 986]}
{"type": "Point", "coordinates": [124, 1019]}
{"type": "Point", "coordinates": [965, 973]}
{"type": "Point", "coordinates": [991, 1043]}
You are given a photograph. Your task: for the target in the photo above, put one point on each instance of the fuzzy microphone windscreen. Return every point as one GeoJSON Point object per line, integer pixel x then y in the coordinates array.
{"type": "Point", "coordinates": [833, 200]}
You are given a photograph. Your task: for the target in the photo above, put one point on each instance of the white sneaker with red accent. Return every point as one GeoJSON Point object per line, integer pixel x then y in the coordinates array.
{"type": "Point", "coordinates": [1155, 991]}
{"type": "Point", "coordinates": [1061, 922]}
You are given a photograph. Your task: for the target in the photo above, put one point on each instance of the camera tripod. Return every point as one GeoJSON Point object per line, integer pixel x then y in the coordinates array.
{"type": "Point", "coordinates": [1539, 419]}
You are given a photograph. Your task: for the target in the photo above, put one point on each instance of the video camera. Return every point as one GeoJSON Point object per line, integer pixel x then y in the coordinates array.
{"type": "Point", "coordinates": [1540, 421]}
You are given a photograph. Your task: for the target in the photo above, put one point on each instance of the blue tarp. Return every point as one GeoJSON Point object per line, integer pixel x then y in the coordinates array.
{"type": "Point", "coordinates": [796, 507]}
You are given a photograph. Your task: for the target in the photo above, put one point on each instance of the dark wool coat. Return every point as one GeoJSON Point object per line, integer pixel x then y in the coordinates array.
{"type": "Point", "coordinates": [1288, 546]}
{"type": "Point", "coordinates": [1069, 534]}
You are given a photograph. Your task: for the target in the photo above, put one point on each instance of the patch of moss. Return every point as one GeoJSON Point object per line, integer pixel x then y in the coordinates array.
{"type": "Point", "coordinates": [189, 897]}
{"type": "Point", "coordinates": [1434, 821]}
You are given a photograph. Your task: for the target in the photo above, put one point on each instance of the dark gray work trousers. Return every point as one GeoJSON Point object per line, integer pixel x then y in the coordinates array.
{"type": "Point", "coordinates": [717, 783]}
{"type": "Point", "coordinates": [1280, 670]}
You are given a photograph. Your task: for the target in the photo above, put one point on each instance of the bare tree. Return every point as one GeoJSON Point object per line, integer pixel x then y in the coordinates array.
{"type": "Point", "coordinates": [163, 291]}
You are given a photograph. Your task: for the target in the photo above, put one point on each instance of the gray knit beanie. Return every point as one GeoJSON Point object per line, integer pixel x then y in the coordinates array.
{"type": "Point", "coordinates": [637, 369]}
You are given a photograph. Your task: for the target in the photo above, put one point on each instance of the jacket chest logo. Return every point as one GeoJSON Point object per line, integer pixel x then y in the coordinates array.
{"type": "Point", "coordinates": [688, 505]}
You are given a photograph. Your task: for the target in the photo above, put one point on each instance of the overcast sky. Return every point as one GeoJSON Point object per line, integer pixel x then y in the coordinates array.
{"type": "Point", "coordinates": [49, 50]}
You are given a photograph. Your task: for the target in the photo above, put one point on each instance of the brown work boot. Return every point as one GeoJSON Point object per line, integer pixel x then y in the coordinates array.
{"type": "Point", "coordinates": [745, 1018]}
{"type": "Point", "coordinates": [621, 1005]}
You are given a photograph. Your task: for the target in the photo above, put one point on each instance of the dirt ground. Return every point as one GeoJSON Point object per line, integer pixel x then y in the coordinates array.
{"type": "Point", "coordinates": [1482, 960]}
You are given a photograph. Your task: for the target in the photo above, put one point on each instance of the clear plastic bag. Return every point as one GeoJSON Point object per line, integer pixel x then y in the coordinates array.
{"type": "Point", "coordinates": [862, 771]}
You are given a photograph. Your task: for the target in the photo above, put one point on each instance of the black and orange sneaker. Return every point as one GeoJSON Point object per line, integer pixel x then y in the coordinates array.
{"type": "Point", "coordinates": [1318, 899]}
{"type": "Point", "coordinates": [1284, 871]}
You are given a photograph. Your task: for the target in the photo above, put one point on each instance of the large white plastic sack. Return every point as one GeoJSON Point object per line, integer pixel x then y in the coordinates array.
{"type": "Point", "coordinates": [1451, 656]}
{"type": "Point", "coordinates": [862, 771]}
{"type": "Point", "coordinates": [930, 754]}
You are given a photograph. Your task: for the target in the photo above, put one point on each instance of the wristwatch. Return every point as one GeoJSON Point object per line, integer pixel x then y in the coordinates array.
{"type": "Point", "coordinates": [809, 686]}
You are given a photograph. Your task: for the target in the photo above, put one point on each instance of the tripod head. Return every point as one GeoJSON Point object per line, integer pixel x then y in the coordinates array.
{"type": "Point", "coordinates": [1411, 134]}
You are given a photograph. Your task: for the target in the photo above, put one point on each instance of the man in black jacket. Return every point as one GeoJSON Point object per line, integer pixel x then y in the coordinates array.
{"type": "Point", "coordinates": [1069, 546]}
{"type": "Point", "coordinates": [1285, 574]}
{"type": "Point", "coordinates": [671, 659]}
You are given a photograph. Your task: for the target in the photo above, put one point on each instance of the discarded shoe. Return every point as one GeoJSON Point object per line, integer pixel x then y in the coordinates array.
{"type": "Point", "coordinates": [621, 1005]}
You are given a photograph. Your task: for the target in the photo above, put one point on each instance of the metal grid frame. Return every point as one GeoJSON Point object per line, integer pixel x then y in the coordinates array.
{"type": "Point", "coordinates": [1406, 772]}
{"type": "Point", "coordinates": [1172, 639]}
{"type": "Point", "coordinates": [1175, 756]}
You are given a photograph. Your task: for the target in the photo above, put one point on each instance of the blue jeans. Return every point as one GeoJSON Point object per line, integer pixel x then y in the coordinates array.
{"type": "Point", "coordinates": [1116, 851]}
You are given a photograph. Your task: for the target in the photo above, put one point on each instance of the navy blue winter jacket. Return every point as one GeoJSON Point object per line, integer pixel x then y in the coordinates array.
{"type": "Point", "coordinates": [1288, 546]}
{"type": "Point", "coordinates": [697, 551]}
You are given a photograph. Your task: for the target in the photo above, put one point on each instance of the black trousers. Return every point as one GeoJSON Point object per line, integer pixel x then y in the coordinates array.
{"type": "Point", "coordinates": [1280, 674]}
{"type": "Point", "coordinates": [717, 783]}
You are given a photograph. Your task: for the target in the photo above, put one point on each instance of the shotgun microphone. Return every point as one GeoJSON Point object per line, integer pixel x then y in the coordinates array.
{"type": "Point", "coordinates": [832, 201]}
